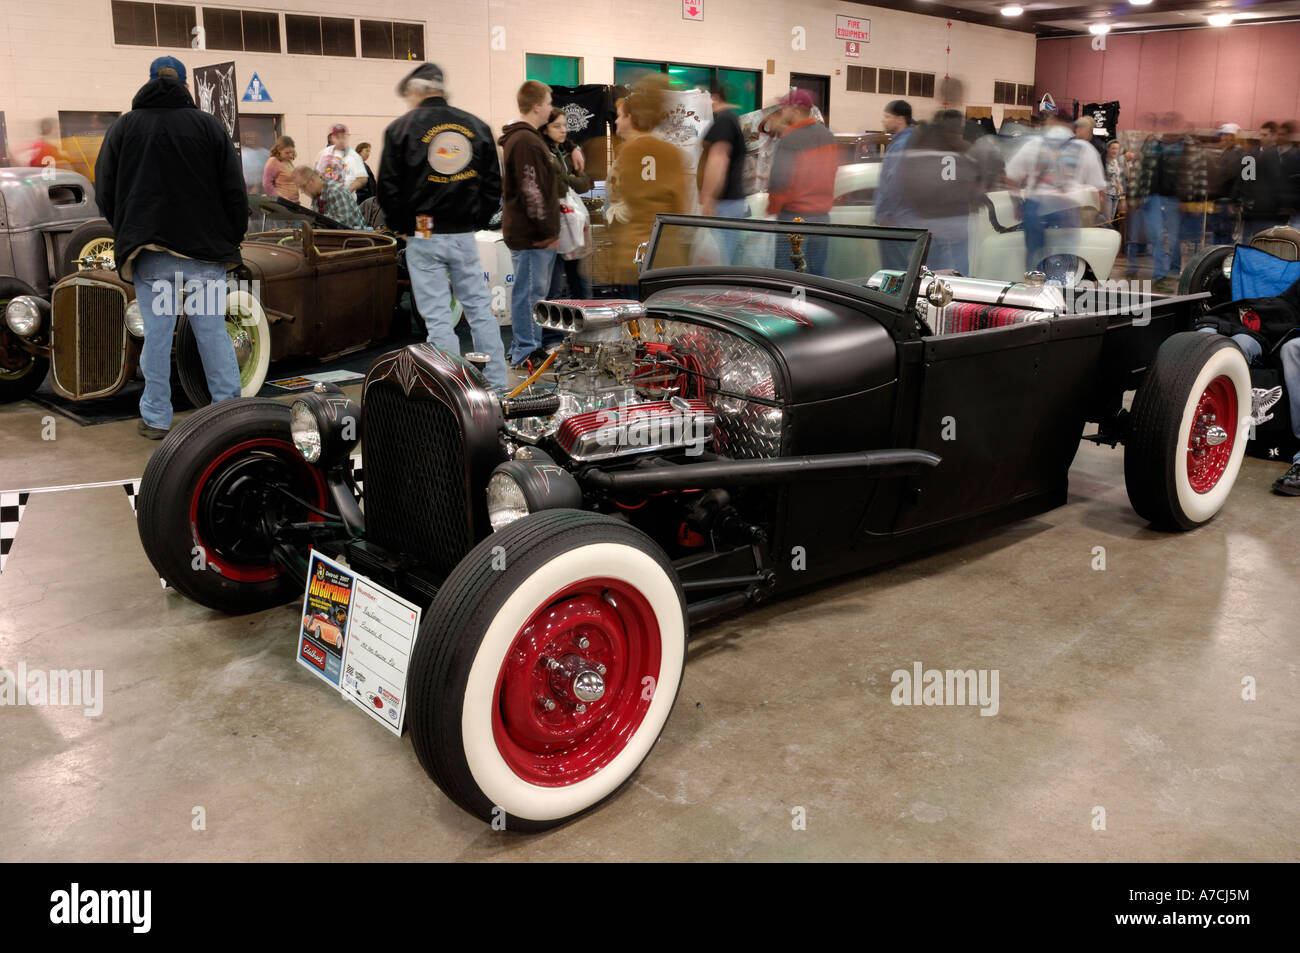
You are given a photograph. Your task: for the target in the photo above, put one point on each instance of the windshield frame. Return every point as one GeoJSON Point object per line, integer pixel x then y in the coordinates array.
{"type": "Point", "coordinates": [919, 237]}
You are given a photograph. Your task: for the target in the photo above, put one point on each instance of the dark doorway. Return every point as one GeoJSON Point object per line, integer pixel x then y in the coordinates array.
{"type": "Point", "coordinates": [819, 86]}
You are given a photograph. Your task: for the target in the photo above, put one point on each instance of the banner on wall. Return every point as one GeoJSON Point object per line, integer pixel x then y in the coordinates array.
{"type": "Point", "coordinates": [215, 92]}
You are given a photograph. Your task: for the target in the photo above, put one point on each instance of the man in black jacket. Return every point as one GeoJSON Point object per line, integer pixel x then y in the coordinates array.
{"type": "Point", "coordinates": [169, 181]}
{"type": "Point", "coordinates": [439, 182]}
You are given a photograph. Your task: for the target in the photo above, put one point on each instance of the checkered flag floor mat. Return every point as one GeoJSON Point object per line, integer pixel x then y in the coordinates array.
{"type": "Point", "coordinates": [11, 514]}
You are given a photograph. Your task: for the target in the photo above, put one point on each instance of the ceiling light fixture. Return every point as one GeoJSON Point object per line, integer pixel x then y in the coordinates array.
{"type": "Point", "coordinates": [1099, 28]}
{"type": "Point", "coordinates": [1012, 11]}
{"type": "Point", "coordinates": [1139, 3]}
{"type": "Point", "coordinates": [1220, 19]}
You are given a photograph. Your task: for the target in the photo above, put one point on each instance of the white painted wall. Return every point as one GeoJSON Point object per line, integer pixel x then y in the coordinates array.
{"type": "Point", "coordinates": [60, 54]}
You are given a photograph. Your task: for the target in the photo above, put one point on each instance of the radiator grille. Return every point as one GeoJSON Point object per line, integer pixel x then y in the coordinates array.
{"type": "Point", "coordinates": [1277, 246]}
{"type": "Point", "coordinates": [88, 337]}
{"type": "Point", "coordinates": [417, 488]}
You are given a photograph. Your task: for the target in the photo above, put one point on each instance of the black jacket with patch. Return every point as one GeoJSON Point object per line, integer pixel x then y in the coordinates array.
{"type": "Point", "coordinates": [168, 174]}
{"type": "Point", "coordinates": [439, 161]}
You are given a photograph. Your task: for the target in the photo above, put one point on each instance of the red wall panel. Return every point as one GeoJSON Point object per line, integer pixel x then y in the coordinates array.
{"type": "Point", "coordinates": [1235, 77]}
{"type": "Point", "coordinates": [1157, 76]}
{"type": "Point", "coordinates": [1119, 72]}
{"type": "Point", "coordinates": [1198, 54]}
{"type": "Point", "coordinates": [1242, 74]}
{"type": "Point", "coordinates": [1275, 80]}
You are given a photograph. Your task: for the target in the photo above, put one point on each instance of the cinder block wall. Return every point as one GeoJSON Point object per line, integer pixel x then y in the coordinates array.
{"type": "Point", "coordinates": [60, 54]}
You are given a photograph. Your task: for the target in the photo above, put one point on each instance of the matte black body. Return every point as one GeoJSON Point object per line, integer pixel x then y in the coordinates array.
{"type": "Point", "coordinates": [911, 441]}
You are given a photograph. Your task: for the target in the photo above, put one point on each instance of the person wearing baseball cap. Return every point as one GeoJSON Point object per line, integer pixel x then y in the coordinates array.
{"type": "Point", "coordinates": [1224, 171]}
{"type": "Point", "coordinates": [802, 183]}
{"type": "Point", "coordinates": [440, 182]}
{"type": "Point", "coordinates": [337, 153]}
{"type": "Point", "coordinates": [170, 183]}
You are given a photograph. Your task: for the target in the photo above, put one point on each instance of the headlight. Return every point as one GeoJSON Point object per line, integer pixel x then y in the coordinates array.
{"type": "Point", "coordinates": [529, 483]}
{"type": "Point", "coordinates": [306, 434]}
{"type": "Point", "coordinates": [505, 501]}
{"type": "Point", "coordinates": [24, 315]}
{"type": "Point", "coordinates": [1227, 265]}
{"type": "Point", "coordinates": [324, 425]}
{"type": "Point", "coordinates": [134, 319]}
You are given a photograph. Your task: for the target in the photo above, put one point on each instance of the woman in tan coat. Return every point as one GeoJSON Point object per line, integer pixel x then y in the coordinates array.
{"type": "Point", "coordinates": [648, 179]}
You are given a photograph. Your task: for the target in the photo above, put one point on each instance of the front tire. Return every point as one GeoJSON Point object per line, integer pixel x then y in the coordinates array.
{"type": "Point", "coordinates": [203, 498]}
{"type": "Point", "coordinates": [1188, 437]}
{"type": "Point", "coordinates": [480, 681]}
{"type": "Point", "coordinates": [250, 335]}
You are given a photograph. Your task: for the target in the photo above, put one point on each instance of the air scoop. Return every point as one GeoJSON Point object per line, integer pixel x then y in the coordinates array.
{"type": "Point", "coordinates": [576, 315]}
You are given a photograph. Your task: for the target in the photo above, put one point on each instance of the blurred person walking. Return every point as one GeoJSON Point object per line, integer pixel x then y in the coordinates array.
{"type": "Point", "coordinates": [1173, 171]}
{"type": "Point", "coordinates": [277, 174]}
{"type": "Point", "coordinates": [1054, 171]}
{"type": "Point", "coordinates": [940, 182]}
{"type": "Point", "coordinates": [336, 150]}
{"type": "Point", "coordinates": [1263, 193]}
{"type": "Point", "coordinates": [439, 182]}
{"type": "Point", "coordinates": [568, 175]}
{"type": "Point", "coordinates": [648, 178]}
{"type": "Point", "coordinates": [802, 184]}
{"type": "Point", "coordinates": [722, 185]}
{"type": "Point", "coordinates": [253, 157]}
{"type": "Point", "coordinates": [169, 182]}
{"type": "Point", "coordinates": [530, 217]}
{"type": "Point", "coordinates": [47, 150]}
{"type": "Point", "coordinates": [1224, 170]}
{"type": "Point", "coordinates": [890, 206]}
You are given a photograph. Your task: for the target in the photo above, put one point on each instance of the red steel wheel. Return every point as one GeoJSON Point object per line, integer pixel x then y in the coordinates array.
{"type": "Point", "coordinates": [570, 692]}
{"type": "Point", "coordinates": [546, 667]}
{"type": "Point", "coordinates": [1213, 435]}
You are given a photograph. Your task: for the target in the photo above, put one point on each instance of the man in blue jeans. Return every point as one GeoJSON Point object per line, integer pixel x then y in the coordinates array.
{"type": "Point", "coordinates": [439, 181]}
{"type": "Point", "coordinates": [530, 217]}
{"type": "Point", "coordinates": [170, 183]}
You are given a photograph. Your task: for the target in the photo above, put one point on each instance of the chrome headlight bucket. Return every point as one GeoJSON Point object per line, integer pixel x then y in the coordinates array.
{"type": "Point", "coordinates": [25, 314]}
{"type": "Point", "coordinates": [325, 425]}
{"type": "Point", "coordinates": [134, 319]}
{"type": "Point", "coordinates": [529, 483]}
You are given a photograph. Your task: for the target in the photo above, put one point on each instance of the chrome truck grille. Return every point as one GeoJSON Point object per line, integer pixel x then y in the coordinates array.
{"type": "Point", "coordinates": [88, 338]}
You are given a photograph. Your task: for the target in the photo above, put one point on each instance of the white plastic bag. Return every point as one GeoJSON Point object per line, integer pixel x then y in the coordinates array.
{"type": "Point", "coordinates": [575, 227]}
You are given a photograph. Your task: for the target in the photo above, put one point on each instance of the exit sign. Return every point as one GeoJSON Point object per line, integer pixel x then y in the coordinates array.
{"type": "Point", "coordinates": [692, 10]}
{"type": "Point", "coordinates": [852, 28]}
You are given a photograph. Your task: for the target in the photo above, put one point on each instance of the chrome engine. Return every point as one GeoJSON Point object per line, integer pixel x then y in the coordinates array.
{"type": "Point", "coordinates": [629, 384]}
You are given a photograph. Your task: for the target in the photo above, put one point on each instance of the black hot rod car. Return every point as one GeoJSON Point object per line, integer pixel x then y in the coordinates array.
{"type": "Point", "coordinates": [739, 433]}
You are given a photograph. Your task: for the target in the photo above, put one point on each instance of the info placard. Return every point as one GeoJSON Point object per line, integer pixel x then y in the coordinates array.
{"type": "Point", "coordinates": [358, 636]}
{"type": "Point", "coordinates": [381, 634]}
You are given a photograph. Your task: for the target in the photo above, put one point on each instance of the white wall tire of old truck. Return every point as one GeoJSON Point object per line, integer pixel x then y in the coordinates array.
{"type": "Point", "coordinates": [473, 706]}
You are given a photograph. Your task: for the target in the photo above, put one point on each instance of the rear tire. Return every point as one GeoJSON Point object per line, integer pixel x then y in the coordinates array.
{"type": "Point", "coordinates": [202, 497]}
{"type": "Point", "coordinates": [21, 372]}
{"type": "Point", "coordinates": [1178, 469]}
{"type": "Point", "coordinates": [479, 679]}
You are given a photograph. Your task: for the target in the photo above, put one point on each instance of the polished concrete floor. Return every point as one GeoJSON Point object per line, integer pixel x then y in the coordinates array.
{"type": "Point", "coordinates": [1119, 689]}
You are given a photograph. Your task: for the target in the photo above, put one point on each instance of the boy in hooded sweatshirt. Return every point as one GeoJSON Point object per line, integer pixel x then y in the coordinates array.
{"type": "Point", "coordinates": [530, 219]}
